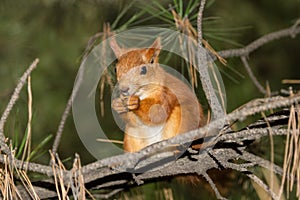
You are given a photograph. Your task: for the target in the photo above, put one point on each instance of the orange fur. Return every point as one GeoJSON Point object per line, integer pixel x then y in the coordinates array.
{"type": "Point", "coordinates": [154, 104]}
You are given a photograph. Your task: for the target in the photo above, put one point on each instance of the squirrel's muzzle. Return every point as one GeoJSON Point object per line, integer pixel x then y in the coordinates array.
{"type": "Point", "coordinates": [124, 91]}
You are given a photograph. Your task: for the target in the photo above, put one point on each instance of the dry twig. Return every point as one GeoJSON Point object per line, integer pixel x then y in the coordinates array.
{"type": "Point", "coordinates": [252, 76]}
{"type": "Point", "coordinates": [11, 103]}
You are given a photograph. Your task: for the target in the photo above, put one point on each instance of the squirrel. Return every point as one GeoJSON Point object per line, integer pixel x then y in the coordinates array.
{"type": "Point", "coordinates": [154, 104]}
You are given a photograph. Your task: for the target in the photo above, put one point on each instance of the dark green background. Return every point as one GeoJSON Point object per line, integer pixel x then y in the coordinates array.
{"type": "Point", "coordinates": [57, 32]}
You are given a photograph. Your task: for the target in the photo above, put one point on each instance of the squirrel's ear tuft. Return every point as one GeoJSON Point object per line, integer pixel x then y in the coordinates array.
{"type": "Point", "coordinates": [154, 50]}
{"type": "Point", "coordinates": [156, 44]}
{"type": "Point", "coordinates": [115, 47]}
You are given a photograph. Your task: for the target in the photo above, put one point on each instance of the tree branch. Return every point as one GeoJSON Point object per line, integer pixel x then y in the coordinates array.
{"type": "Point", "coordinates": [292, 31]}
{"type": "Point", "coordinates": [67, 109]}
{"type": "Point", "coordinates": [202, 55]}
{"type": "Point", "coordinates": [10, 105]}
{"type": "Point", "coordinates": [116, 171]}
{"type": "Point", "coordinates": [199, 21]}
{"type": "Point", "coordinates": [213, 186]}
{"type": "Point", "coordinates": [130, 160]}
{"type": "Point", "coordinates": [251, 75]}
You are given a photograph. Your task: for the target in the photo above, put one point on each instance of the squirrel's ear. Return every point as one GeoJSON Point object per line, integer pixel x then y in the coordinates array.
{"type": "Point", "coordinates": [154, 50]}
{"type": "Point", "coordinates": [156, 44]}
{"type": "Point", "coordinates": [115, 47]}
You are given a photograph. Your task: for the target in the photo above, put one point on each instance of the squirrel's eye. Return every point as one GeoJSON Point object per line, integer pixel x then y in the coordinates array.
{"type": "Point", "coordinates": [152, 61]}
{"type": "Point", "coordinates": [143, 70]}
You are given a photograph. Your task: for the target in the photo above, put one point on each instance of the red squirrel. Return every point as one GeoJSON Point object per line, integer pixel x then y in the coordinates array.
{"type": "Point", "coordinates": [154, 104]}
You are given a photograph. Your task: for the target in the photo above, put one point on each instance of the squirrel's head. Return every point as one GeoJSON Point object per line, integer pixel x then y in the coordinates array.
{"type": "Point", "coordinates": [137, 68]}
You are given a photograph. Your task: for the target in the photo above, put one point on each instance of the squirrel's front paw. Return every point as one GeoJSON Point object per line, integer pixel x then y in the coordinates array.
{"type": "Point", "coordinates": [118, 106]}
{"type": "Point", "coordinates": [132, 102]}
{"type": "Point", "coordinates": [122, 105]}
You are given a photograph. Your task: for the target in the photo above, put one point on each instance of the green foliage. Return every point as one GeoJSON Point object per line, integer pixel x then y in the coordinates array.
{"type": "Point", "coordinates": [57, 32]}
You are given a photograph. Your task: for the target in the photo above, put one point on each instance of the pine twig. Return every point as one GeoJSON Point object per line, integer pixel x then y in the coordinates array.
{"type": "Point", "coordinates": [213, 186]}
{"type": "Point", "coordinates": [67, 110]}
{"type": "Point", "coordinates": [10, 105]}
{"type": "Point", "coordinates": [252, 76]}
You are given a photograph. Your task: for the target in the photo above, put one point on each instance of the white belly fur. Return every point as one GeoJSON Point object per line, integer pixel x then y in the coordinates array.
{"type": "Point", "coordinates": [149, 134]}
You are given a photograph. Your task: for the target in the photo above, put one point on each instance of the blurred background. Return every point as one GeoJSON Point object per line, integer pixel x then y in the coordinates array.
{"type": "Point", "coordinates": [57, 32]}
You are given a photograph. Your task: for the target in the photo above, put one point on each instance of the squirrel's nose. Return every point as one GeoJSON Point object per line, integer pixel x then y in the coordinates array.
{"type": "Point", "coordinates": [124, 91]}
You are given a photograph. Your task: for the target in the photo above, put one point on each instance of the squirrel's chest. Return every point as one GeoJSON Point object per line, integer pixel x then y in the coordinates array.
{"type": "Point", "coordinates": [137, 138]}
{"type": "Point", "coordinates": [139, 135]}
{"type": "Point", "coordinates": [146, 134]}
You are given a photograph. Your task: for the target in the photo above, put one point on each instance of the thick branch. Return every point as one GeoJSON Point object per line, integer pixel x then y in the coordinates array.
{"type": "Point", "coordinates": [202, 55]}
{"type": "Point", "coordinates": [29, 166]}
{"type": "Point", "coordinates": [96, 175]}
{"type": "Point", "coordinates": [129, 160]}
